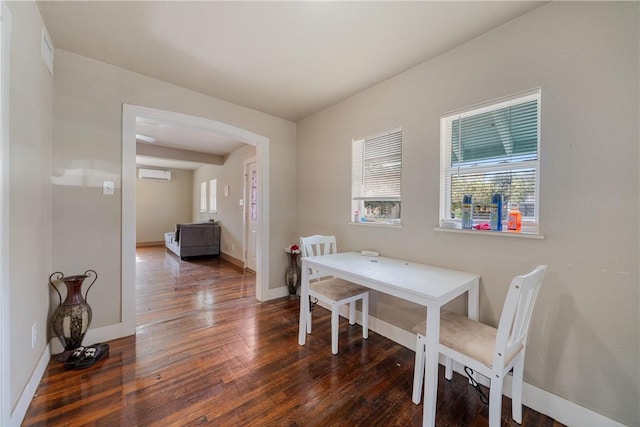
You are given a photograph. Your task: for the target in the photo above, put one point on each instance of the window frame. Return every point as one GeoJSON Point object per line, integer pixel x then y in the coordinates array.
{"type": "Point", "coordinates": [358, 199]}
{"type": "Point", "coordinates": [530, 225]}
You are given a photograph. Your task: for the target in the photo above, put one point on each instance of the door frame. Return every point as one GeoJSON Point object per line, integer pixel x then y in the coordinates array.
{"type": "Point", "coordinates": [5, 319]}
{"type": "Point", "coordinates": [128, 226]}
{"type": "Point", "coordinates": [245, 209]}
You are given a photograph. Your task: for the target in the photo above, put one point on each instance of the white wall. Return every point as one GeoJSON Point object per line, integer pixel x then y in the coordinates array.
{"type": "Point", "coordinates": [584, 341]}
{"type": "Point", "coordinates": [229, 213]}
{"type": "Point", "coordinates": [31, 136]}
{"type": "Point", "coordinates": [160, 205]}
{"type": "Point", "coordinates": [88, 146]}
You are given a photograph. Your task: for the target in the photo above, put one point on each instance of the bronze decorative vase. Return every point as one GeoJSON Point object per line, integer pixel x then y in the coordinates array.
{"type": "Point", "coordinates": [73, 316]}
{"type": "Point", "coordinates": [292, 276]}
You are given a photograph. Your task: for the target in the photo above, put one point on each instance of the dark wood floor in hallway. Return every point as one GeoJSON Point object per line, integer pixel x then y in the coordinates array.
{"type": "Point", "coordinates": [206, 352]}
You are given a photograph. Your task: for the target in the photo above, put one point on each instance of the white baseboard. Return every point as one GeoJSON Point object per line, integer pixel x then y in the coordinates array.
{"type": "Point", "coordinates": [20, 410]}
{"type": "Point", "coordinates": [93, 336]}
{"type": "Point", "coordinates": [561, 410]}
{"type": "Point", "coordinates": [96, 335]}
{"type": "Point", "coordinates": [231, 259]}
{"type": "Point", "coordinates": [274, 293]}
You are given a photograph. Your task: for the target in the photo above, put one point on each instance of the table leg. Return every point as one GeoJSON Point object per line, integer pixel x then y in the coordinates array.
{"type": "Point", "coordinates": [473, 312]}
{"type": "Point", "coordinates": [473, 301]}
{"type": "Point", "coordinates": [304, 304]}
{"type": "Point", "coordinates": [431, 366]}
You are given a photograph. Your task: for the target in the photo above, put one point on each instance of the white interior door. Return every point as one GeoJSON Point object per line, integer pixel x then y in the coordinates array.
{"type": "Point", "coordinates": [251, 214]}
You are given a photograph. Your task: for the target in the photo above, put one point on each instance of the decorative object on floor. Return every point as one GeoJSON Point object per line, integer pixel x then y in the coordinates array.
{"type": "Point", "coordinates": [85, 357]}
{"type": "Point", "coordinates": [292, 275]}
{"type": "Point", "coordinates": [74, 357]}
{"type": "Point", "coordinates": [73, 316]}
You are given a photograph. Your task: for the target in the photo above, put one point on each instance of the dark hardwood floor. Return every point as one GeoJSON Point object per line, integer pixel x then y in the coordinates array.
{"type": "Point", "coordinates": [206, 352]}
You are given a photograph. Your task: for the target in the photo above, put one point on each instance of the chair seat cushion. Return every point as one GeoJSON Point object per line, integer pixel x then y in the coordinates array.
{"type": "Point", "coordinates": [336, 289]}
{"type": "Point", "coordinates": [469, 337]}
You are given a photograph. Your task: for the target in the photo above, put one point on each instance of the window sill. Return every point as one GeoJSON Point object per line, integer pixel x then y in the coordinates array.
{"type": "Point", "coordinates": [492, 233]}
{"type": "Point", "coordinates": [376, 224]}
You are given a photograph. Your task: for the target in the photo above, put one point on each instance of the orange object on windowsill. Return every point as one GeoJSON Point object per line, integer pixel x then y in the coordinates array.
{"type": "Point", "coordinates": [514, 219]}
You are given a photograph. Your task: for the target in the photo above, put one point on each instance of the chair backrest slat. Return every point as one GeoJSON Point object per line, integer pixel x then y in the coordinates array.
{"type": "Point", "coordinates": [516, 313]}
{"type": "Point", "coordinates": [317, 245]}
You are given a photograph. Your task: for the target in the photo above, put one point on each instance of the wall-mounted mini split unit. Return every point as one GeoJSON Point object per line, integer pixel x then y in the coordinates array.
{"type": "Point", "coordinates": [158, 174]}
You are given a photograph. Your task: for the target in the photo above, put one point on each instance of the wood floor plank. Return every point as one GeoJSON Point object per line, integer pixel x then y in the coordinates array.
{"type": "Point", "coordinates": [206, 352]}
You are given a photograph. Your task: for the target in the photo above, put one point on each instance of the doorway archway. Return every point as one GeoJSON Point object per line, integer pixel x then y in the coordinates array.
{"type": "Point", "coordinates": [128, 225]}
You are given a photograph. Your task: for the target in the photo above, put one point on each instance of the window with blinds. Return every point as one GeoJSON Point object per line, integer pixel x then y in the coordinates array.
{"type": "Point", "coordinates": [489, 149]}
{"type": "Point", "coordinates": [377, 178]}
{"type": "Point", "coordinates": [203, 196]}
{"type": "Point", "coordinates": [213, 195]}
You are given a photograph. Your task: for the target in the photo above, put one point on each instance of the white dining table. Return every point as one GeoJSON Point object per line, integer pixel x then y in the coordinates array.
{"type": "Point", "coordinates": [422, 284]}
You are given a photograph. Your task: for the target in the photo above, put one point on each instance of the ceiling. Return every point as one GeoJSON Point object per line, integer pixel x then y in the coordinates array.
{"type": "Point", "coordinates": [175, 135]}
{"type": "Point", "coordinates": [288, 59]}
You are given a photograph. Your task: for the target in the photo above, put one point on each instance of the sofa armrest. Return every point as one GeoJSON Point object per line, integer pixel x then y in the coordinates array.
{"type": "Point", "coordinates": [171, 244]}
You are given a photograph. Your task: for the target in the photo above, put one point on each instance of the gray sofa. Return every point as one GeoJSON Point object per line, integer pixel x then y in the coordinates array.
{"type": "Point", "coordinates": [197, 239]}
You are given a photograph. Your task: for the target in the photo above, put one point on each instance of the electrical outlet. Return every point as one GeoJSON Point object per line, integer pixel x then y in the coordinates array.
{"type": "Point", "coordinates": [233, 246]}
{"type": "Point", "coordinates": [34, 334]}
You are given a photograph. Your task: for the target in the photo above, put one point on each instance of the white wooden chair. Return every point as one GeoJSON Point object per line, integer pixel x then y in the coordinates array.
{"type": "Point", "coordinates": [486, 350]}
{"type": "Point", "coordinates": [334, 291]}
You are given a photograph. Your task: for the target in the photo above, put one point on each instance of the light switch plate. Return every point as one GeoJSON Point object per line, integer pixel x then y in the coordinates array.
{"type": "Point", "coordinates": [108, 188]}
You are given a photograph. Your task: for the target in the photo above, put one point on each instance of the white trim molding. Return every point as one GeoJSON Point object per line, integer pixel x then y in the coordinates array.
{"type": "Point", "coordinates": [103, 334]}
{"type": "Point", "coordinates": [129, 114]}
{"type": "Point", "coordinates": [20, 410]}
{"type": "Point", "coordinates": [561, 410]}
{"type": "Point", "coordinates": [5, 358]}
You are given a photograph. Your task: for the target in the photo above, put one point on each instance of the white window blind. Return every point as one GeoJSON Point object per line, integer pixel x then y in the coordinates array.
{"type": "Point", "coordinates": [213, 195]}
{"type": "Point", "coordinates": [377, 176]}
{"type": "Point", "coordinates": [377, 167]}
{"type": "Point", "coordinates": [491, 149]}
{"type": "Point", "coordinates": [203, 196]}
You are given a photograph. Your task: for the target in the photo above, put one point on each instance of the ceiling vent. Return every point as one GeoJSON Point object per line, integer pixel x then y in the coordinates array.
{"type": "Point", "coordinates": [161, 175]}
